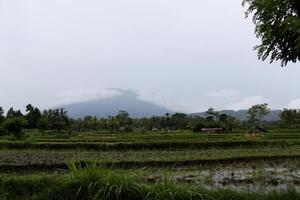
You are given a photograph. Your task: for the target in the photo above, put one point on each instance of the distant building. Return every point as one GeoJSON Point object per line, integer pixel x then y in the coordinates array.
{"type": "Point", "coordinates": [212, 130]}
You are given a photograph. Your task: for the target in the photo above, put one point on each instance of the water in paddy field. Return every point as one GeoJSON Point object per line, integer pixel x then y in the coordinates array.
{"type": "Point", "coordinates": [243, 178]}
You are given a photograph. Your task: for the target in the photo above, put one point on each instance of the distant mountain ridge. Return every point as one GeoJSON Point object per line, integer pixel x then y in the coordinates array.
{"type": "Point", "coordinates": [127, 100]}
{"type": "Point", "coordinates": [242, 114]}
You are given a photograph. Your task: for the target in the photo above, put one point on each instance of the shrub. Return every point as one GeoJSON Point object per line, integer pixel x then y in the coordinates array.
{"type": "Point", "coordinates": [3, 131]}
{"type": "Point", "coordinates": [198, 127]}
{"type": "Point", "coordinates": [15, 126]}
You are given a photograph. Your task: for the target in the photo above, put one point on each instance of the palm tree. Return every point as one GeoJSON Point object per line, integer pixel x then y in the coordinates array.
{"type": "Point", "coordinates": [289, 116]}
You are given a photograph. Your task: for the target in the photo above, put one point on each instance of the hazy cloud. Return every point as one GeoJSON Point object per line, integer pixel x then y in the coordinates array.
{"type": "Point", "coordinates": [83, 95]}
{"type": "Point", "coordinates": [247, 102]}
{"type": "Point", "coordinates": [227, 94]}
{"type": "Point", "coordinates": [294, 104]}
{"type": "Point", "coordinates": [160, 101]}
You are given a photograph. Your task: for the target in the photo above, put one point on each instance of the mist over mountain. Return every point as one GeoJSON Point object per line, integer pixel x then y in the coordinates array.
{"type": "Point", "coordinates": [127, 100]}
{"type": "Point", "coordinates": [242, 114]}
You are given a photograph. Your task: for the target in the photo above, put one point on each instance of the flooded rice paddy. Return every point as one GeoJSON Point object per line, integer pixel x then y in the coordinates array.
{"type": "Point", "coordinates": [246, 177]}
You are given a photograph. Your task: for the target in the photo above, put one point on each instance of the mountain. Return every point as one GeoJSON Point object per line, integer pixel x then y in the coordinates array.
{"type": "Point", "coordinates": [127, 100]}
{"type": "Point", "coordinates": [242, 114]}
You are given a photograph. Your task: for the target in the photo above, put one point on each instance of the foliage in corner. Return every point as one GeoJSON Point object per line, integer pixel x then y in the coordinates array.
{"type": "Point", "coordinates": [278, 26]}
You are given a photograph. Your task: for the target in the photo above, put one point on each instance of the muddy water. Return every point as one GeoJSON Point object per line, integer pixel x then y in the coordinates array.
{"type": "Point", "coordinates": [249, 178]}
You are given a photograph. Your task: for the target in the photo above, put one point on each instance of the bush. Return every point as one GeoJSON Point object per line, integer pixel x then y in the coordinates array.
{"type": "Point", "coordinates": [3, 131]}
{"type": "Point", "coordinates": [198, 127]}
{"type": "Point", "coordinates": [15, 126]}
{"type": "Point", "coordinates": [214, 124]}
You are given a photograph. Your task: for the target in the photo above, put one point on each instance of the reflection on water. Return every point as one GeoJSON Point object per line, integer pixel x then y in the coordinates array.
{"type": "Point", "coordinates": [249, 178]}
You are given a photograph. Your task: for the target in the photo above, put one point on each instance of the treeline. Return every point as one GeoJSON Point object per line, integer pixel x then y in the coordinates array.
{"type": "Point", "coordinates": [15, 121]}
{"type": "Point", "coordinates": [57, 119]}
{"type": "Point", "coordinates": [178, 121]}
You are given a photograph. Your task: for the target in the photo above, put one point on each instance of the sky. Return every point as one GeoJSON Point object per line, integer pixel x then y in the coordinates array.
{"type": "Point", "coordinates": [185, 55]}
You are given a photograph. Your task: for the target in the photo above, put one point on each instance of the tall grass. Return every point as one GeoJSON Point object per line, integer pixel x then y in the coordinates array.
{"type": "Point", "coordinates": [102, 183]}
{"type": "Point", "coordinates": [88, 181]}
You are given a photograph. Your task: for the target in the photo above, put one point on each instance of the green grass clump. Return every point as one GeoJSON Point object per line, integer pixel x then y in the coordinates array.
{"type": "Point", "coordinates": [100, 183]}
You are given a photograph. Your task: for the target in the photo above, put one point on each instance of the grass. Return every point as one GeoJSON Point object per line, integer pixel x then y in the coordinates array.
{"type": "Point", "coordinates": [105, 141]}
{"type": "Point", "coordinates": [23, 157]}
{"type": "Point", "coordinates": [92, 182]}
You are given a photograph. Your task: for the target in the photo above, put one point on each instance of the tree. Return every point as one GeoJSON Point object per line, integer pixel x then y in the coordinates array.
{"type": "Point", "coordinates": [179, 121]}
{"type": "Point", "coordinates": [29, 108]}
{"type": "Point", "coordinates": [230, 123]}
{"type": "Point", "coordinates": [123, 119]}
{"type": "Point", "coordinates": [43, 123]}
{"type": "Point", "coordinates": [11, 113]}
{"type": "Point", "coordinates": [15, 126]}
{"type": "Point", "coordinates": [1, 115]}
{"type": "Point", "coordinates": [113, 123]}
{"type": "Point", "coordinates": [56, 119]}
{"type": "Point", "coordinates": [211, 114]}
{"type": "Point", "coordinates": [90, 123]}
{"type": "Point", "coordinates": [278, 25]}
{"type": "Point", "coordinates": [223, 118]}
{"type": "Point", "coordinates": [289, 116]}
{"type": "Point", "coordinates": [2, 118]}
{"type": "Point", "coordinates": [257, 113]}
{"type": "Point", "coordinates": [33, 116]}
{"type": "Point", "coordinates": [199, 126]}
{"type": "Point", "coordinates": [252, 116]}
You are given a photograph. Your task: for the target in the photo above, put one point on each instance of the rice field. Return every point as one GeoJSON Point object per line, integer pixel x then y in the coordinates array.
{"type": "Point", "coordinates": [153, 165]}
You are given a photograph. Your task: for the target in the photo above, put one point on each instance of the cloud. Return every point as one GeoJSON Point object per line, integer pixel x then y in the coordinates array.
{"type": "Point", "coordinates": [247, 102]}
{"type": "Point", "coordinates": [159, 101]}
{"type": "Point", "coordinates": [294, 104]}
{"type": "Point", "coordinates": [228, 94]}
{"type": "Point", "coordinates": [89, 94]}
{"type": "Point", "coordinates": [84, 94]}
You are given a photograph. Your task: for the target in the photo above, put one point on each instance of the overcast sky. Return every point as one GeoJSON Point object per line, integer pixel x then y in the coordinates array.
{"type": "Point", "coordinates": [187, 55]}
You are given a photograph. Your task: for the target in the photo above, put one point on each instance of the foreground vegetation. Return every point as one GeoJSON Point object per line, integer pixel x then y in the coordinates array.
{"type": "Point", "coordinates": [100, 183]}
{"type": "Point", "coordinates": [151, 165]}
